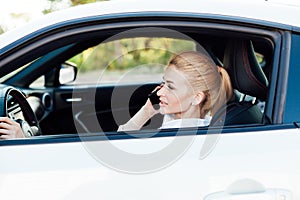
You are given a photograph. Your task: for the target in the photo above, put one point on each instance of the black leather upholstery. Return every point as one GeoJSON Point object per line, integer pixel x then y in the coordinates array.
{"type": "Point", "coordinates": [247, 78]}
{"type": "Point", "coordinates": [244, 70]}
{"type": "Point", "coordinates": [237, 113]}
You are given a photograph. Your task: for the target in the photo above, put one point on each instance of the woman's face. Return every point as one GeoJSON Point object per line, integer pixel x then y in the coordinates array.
{"type": "Point", "coordinates": [176, 94]}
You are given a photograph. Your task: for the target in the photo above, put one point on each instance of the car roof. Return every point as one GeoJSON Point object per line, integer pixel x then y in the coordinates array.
{"type": "Point", "coordinates": [259, 11]}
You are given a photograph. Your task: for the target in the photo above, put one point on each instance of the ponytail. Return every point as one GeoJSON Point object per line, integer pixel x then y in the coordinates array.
{"type": "Point", "coordinates": [216, 98]}
{"type": "Point", "coordinates": [225, 91]}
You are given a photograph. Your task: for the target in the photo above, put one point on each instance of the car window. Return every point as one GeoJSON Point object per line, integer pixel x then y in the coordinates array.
{"type": "Point", "coordinates": [129, 68]}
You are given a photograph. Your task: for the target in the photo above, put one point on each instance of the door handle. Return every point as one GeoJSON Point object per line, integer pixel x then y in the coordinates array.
{"type": "Point", "coordinates": [247, 189]}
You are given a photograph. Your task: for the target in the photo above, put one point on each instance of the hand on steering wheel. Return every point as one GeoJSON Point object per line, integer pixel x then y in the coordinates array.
{"type": "Point", "coordinates": [10, 129]}
{"type": "Point", "coordinates": [16, 128]}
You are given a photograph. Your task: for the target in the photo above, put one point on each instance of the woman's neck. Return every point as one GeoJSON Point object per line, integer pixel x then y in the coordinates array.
{"type": "Point", "coordinates": [192, 112]}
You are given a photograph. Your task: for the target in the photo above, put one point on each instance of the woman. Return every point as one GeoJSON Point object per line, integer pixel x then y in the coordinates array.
{"type": "Point", "coordinates": [194, 89]}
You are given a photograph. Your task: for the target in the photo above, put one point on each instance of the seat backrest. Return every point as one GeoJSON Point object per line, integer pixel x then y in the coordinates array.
{"type": "Point", "coordinates": [247, 78]}
{"type": "Point", "coordinates": [244, 70]}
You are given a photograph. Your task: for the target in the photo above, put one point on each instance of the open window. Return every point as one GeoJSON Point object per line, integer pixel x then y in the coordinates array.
{"type": "Point", "coordinates": [117, 69]}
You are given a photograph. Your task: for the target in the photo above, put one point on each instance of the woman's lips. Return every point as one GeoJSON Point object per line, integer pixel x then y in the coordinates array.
{"type": "Point", "coordinates": [162, 103]}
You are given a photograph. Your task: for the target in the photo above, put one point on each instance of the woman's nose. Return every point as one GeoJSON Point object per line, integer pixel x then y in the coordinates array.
{"type": "Point", "coordinates": [161, 91]}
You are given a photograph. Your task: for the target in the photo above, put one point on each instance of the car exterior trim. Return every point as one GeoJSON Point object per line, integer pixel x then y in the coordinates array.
{"type": "Point", "coordinates": [87, 137]}
{"type": "Point", "coordinates": [282, 78]}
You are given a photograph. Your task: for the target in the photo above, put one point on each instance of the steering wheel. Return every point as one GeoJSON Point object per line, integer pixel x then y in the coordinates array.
{"type": "Point", "coordinates": [28, 121]}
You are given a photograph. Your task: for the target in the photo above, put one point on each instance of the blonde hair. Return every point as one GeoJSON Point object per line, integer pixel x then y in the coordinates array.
{"type": "Point", "coordinates": [205, 76]}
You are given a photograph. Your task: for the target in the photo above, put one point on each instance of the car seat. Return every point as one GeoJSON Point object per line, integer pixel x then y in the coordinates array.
{"type": "Point", "coordinates": [248, 80]}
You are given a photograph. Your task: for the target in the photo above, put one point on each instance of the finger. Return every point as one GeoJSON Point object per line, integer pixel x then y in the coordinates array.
{"type": "Point", "coordinates": [4, 125]}
{"type": "Point", "coordinates": [4, 132]}
{"type": "Point", "coordinates": [9, 129]}
{"type": "Point", "coordinates": [5, 137]}
{"type": "Point", "coordinates": [7, 120]}
{"type": "Point", "coordinates": [158, 87]}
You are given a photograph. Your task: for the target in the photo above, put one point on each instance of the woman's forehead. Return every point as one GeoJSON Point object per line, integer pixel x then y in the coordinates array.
{"type": "Point", "coordinates": [174, 75]}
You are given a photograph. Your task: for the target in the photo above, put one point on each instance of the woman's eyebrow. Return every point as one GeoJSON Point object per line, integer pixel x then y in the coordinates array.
{"type": "Point", "coordinates": [167, 81]}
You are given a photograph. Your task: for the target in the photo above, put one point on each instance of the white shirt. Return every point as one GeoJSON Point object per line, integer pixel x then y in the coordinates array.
{"type": "Point", "coordinates": [170, 122]}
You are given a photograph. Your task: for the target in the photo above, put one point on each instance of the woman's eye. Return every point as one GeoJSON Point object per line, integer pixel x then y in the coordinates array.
{"type": "Point", "coordinates": [170, 87]}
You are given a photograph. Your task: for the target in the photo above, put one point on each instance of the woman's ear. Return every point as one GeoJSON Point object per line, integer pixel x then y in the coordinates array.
{"type": "Point", "coordinates": [198, 98]}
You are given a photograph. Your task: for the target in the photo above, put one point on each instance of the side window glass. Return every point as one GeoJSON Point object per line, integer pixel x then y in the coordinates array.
{"type": "Point", "coordinates": [38, 83]}
{"type": "Point", "coordinates": [134, 60]}
{"type": "Point", "coordinates": [262, 62]}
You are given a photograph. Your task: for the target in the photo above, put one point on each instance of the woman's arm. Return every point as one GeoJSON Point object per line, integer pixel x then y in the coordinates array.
{"type": "Point", "coordinates": [140, 118]}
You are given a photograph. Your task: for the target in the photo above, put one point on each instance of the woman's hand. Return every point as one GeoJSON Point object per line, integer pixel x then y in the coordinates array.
{"type": "Point", "coordinates": [149, 109]}
{"type": "Point", "coordinates": [153, 99]}
{"type": "Point", "coordinates": [141, 117]}
{"type": "Point", "coordinates": [10, 129]}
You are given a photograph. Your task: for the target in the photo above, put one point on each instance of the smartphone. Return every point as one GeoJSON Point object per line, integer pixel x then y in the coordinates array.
{"type": "Point", "coordinates": [154, 98]}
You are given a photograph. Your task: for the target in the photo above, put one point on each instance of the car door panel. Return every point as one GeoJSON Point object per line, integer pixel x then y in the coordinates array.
{"type": "Point", "coordinates": [268, 163]}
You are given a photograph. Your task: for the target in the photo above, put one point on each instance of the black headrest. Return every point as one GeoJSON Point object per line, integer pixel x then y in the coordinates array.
{"type": "Point", "coordinates": [244, 70]}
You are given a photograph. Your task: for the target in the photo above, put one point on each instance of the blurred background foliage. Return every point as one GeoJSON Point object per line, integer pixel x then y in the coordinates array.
{"type": "Point", "coordinates": [128, 53]}
{"type": "Point", "coordinates": [54, 5]}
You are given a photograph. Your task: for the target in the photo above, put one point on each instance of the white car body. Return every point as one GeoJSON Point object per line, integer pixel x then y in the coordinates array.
{"type": "Point", "coordinates": [254, 10]}
{"type": "Point", "coordinates": [249, 165]}
{"type": "Point", "coordinates": [69, 171]}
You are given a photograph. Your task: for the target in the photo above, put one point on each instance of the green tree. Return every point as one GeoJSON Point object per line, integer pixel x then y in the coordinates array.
{"type": "Point", "coordinates": [79, 2]}
{"type": "Point", "coordinates": [1, 30]}
{"type": "Point", "coordinates": [128, 53]}
{"type": "Point", "coordinates": [55, 4]}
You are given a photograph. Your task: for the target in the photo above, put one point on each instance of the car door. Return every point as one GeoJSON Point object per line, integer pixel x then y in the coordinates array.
{"type": "Point", "coordinates": [252, 161]}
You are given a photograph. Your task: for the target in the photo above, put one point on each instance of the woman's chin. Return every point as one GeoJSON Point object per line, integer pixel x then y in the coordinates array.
{"type": "Point", "coordinates": [162, 111]}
